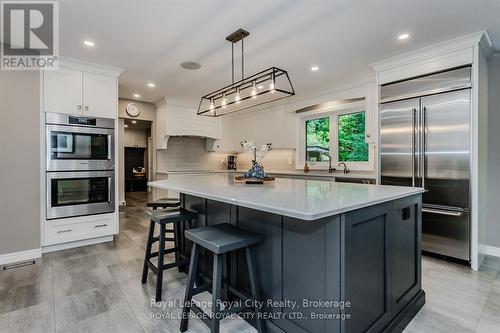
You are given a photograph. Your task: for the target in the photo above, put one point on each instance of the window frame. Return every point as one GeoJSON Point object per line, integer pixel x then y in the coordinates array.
{"type": "Point", "coordinates": [333, 114]}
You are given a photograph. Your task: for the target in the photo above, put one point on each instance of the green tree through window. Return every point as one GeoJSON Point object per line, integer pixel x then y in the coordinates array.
{"type": "Point", "coordinates": [317, 139]}
{"type": "Point", "coordinates": [351, 138]}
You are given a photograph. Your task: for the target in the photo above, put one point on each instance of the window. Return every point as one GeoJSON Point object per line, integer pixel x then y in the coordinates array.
{"type": "Point", "coordinates": [340, 134]}
{"type": "Point", "coordinates": [351, 138]}
{"type": "Point", "coordinates": [317, 139]}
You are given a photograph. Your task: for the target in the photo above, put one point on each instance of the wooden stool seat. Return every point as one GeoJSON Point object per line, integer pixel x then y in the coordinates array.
{"type": "Point", "coordinates": [164, 203]}
{"type": "Point", "coordinates": [220, 239]}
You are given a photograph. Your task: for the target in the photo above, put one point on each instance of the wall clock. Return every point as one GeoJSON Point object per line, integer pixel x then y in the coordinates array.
{"type": "Point", "coordinates": [133, 109]}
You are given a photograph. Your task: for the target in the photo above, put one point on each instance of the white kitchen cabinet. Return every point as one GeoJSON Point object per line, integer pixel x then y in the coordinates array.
{"type": "Point", "coordinates": [225, 141]}
{"type": "Point", "coordinates": [79, 88]}
{"type": "Point", "coordinates": [62, 91]}
{"type": "Point", "coordinates": [100, 95]}
{"type": "Point", "coordinates": [244, 128]}
{"type": "Point", "coordinates": [371, 114]}
{"type": "Point", "coordinates": [275, 126]}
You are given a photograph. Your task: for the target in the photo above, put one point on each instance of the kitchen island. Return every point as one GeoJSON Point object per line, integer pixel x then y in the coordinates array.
{"type": "Point", "coordinates": [336, 257]}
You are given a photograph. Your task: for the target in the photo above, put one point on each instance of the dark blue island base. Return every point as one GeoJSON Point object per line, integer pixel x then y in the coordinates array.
{"type": "Point", "coordinates": [370, 257]}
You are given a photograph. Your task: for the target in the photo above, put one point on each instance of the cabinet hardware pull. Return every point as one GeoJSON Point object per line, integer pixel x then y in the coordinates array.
{"type": "Point", "coordinates": [86, 107]}
{"type": "Point", "coordinates": [79, 107]}
{"type": "Point", "coordinates": [100, 225]}
{"type": "Point", "coordinates": [441, 212]}
{"type": "Point", "coordinates": [63, 231]}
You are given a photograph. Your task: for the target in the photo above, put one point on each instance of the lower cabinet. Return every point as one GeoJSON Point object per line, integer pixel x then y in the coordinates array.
{"type": "Point", "coordinates": [382, 262]}
{"type": "Point", "coordinates": [79, 228]}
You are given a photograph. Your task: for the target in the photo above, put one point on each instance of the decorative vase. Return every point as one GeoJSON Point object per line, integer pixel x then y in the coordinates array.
{"type": "Point", "coordinates": [256, 171]}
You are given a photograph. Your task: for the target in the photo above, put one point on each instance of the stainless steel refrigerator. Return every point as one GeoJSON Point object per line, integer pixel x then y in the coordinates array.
{"type": "Point", "coordinates": [425, 142]}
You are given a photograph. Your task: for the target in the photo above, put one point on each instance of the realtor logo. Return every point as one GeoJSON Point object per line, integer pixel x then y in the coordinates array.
{"type": "Point", "coordinates": [29, 32]}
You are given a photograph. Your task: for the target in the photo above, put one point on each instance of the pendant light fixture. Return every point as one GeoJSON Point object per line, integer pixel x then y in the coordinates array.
{"type": "Point", "coordinates": [273, 84]}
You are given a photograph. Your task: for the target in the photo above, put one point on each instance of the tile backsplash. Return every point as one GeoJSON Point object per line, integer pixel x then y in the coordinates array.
{"type": "Point", "coordinates": [276, 159]}
{"type": "Point", "coordinates": [188, 153]}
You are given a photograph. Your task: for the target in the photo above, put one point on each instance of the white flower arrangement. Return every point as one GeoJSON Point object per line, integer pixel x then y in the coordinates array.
{"type": "Point", "coordinates": [256, 155]}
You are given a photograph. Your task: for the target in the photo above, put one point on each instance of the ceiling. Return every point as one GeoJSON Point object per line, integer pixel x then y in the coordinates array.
{"type": "Point", "coordinates": [150, 38]}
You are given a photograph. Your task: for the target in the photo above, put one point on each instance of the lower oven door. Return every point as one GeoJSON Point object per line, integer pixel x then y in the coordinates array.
{"type": "Point", "coordinates": [80, 193]}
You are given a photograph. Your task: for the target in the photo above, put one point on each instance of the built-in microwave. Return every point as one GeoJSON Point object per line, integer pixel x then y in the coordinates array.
{"type": "Point", "coordinates": [79, 143]}
{"type": "Point", "coordinates": [80, 193]}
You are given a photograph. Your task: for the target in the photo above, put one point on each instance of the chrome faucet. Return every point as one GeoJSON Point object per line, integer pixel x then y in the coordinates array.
{"type": "Point", "coordinates": [346, 169]}
{"type": "Point", "coordinates": [330, 169]}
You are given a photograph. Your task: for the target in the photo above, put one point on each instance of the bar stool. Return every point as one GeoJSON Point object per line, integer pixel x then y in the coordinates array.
{"type": "Point", "coordinates": [164, 203]}
{"type": "Point", "coordinates": [220, 239]}
{"type": "Point", "coordinates": [164, 217]}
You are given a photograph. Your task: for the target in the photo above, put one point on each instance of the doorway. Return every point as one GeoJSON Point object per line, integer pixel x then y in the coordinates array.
{"type": "Point", "coordinates": [137, 150]}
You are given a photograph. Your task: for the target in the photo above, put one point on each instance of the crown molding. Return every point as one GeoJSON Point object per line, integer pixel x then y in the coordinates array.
{"type": "Point", "coordinates": [478, 38]}
{"type": "Point", "coordinates": [89, 67]}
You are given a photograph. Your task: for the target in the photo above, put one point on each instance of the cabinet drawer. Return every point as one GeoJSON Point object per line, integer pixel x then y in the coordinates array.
{"type": "Point", "coordinates": [79, 229]}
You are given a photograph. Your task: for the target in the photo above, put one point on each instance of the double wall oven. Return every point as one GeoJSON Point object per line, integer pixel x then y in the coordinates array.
{"type": "Point", "coordinates": [80, 177]}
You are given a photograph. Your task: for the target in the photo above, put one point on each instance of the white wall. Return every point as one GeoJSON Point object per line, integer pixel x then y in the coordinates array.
{"type": "Point", "coordinates": [493, 170]}
{"type": "Point", "coordinates": [20, 161]}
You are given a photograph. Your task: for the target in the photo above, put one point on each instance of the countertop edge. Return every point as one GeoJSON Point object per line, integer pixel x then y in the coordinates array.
{"type": "Point", "coordinates": [288, 213]}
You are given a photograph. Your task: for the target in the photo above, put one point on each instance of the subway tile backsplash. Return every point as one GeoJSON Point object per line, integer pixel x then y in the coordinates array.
{"type": "Point", "coordinates": [189, 153]}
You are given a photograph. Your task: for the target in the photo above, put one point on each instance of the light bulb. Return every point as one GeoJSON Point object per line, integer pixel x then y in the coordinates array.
{"type": "Point", "coordinates": [224, 101]}
{"type": "Point", "coordinates": [212, 106]}
{"type": "Point", "coordinates": [237, 97]}
{"type": "Point", "coordinates": [254, 90]}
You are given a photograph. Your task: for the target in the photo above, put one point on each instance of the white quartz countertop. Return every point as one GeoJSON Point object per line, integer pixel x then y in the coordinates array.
{"type": "Point", "coordinates": [312, 173]}
{"type": "Point", "coordinates": [297, 198]}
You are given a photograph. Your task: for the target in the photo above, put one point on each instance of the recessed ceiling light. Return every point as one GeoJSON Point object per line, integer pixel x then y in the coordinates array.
{"type": "Point", "coordinates": [125, 125]}
{"type": "Point", "coordinates": [88, 43]}
{"type": "Point", "coordinates": [137, 95]}
{"type": "Point", "coordinates": [134, 121]}
{"type": "Point", "coordinates": [403, 36]}
{"type": "Point", "coordinates": [314, 68]}
{"type": "Point", "coordinates": [260, 86]}
{"type": "Point", "coordinates": [151, 85]}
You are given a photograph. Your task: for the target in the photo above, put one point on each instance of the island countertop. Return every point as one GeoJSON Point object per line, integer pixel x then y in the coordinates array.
{"type": "Point", "coordinates": [296, 198]}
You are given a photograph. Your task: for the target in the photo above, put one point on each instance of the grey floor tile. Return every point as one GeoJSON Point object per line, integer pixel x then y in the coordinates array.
{"type": "Point", "coordinates": [34, 319]}
{"type": "Point", "coordinates": [77, 281]}
{"type": "Point", "coordinates": [118, 321]}
{"type": "Point", "coordinates": [122, 255]}
{"type": "Point", "coordinates": [489, 321]}
{"type": "Point", "coordinates": [74, 309]}
{"type": "Point", "coordinates": [75, 253]}
{"type": "Point", "coordinates": [62, 266]}
{"type": "Point", "coordinates": [127, 270]}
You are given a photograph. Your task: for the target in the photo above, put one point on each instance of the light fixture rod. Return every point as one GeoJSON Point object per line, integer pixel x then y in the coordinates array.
{"type": "Point", "coordinates": [232, 62]}
{"type": "Point", "coordinates": [242, 57]}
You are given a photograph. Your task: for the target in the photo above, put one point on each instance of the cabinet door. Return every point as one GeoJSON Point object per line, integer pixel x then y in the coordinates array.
{"type": "Point", "coordinates": [100, 95]}
{"type": "Point", "coordinates": [245, 128]}
{"type": "Point", "coordinates": [62, 91]}
{"type": "Point", "coordinates": [275, 126]}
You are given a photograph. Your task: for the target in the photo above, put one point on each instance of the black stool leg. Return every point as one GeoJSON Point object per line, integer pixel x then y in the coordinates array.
{"type": "Point", "coordinates": [177, 242]}
{"type": "Point", "coordinates": [216, 292]}
{"type": "Point", "coordinates": [193, 266]}
{"type": "Point", "coordinates": [254, 286]}
{"type": "Point", "coordinates": [147, 255]}
{"type": "Point", "coordinates": [161, 255]}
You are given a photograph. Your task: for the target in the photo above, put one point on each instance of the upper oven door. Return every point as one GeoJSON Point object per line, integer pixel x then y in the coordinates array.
{"type": "Point", "coordinates": [71, 148]}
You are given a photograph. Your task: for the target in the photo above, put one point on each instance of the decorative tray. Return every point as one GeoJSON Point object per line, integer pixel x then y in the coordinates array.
{"type": "Point", "coordinates": [241, 179]}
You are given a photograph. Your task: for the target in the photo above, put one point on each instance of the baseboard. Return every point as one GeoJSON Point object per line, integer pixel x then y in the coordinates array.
{"type": "Point", "coordinates": [491, 250]}
{"type": "Point", "coordinates": [14, 257]}
{"type": "Point", "coordinates": [70, 245]}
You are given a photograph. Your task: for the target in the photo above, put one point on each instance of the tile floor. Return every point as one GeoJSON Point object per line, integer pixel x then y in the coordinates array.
{"type": "Point", "coordinates": [97, 289]}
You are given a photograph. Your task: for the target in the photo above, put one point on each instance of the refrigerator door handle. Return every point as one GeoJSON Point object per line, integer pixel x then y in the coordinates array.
{"type": "Point", "coordinates": [442, 212]}
{"type": "Point", "coordinates": [413, 124]}
{"type": "Point", "coordinates": [422, 148]}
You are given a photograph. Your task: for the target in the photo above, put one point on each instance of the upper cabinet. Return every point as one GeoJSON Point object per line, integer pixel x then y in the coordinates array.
{"type": "Point", "coordinates": [100, 95]}
{"type": "Point", "coordinates": [81, 88]}
{"type": "Point", "coordinates": [275, 126]}
{"type": "Point", "coordinates": [62, 91]}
